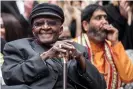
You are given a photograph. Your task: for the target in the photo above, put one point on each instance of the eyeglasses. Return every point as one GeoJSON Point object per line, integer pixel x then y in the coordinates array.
{"type": "Point", "coordinates": [50, 23]}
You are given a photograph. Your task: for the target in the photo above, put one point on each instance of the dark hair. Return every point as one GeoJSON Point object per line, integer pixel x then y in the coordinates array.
{"type": "Point", "coordinates": [3, 42]}
{"type": "Point", "coordinates": [88, 12]}
{"type": "Point", "coordinates": [13, 28]}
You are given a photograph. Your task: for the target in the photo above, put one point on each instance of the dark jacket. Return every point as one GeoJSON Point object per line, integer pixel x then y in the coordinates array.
{"type": "Point", "coordinates": [23, 65]}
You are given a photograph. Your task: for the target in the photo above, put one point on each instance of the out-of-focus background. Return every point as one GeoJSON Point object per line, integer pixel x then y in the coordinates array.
{"type": "Point", "coordinates": [14, 22]}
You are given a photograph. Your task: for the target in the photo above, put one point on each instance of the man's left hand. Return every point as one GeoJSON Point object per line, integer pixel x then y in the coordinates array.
{"type": "Point", "coordinates": [112, 34]}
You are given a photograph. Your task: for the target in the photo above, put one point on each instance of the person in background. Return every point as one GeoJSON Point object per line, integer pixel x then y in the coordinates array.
{"type": "Point", "coordinates": [105, 50]}
{"type": "Point", "coordinates": [2, 44]}
{"type": "Point", "coordinates": [75, 12]}
{"type": "Point", "coordinates": [72, 23]}
{"type": "Point", "coordinates": [36, 62]}
{"type": "Point", "coordinates": [21, 10]}
{"type": "Point", "coordinates": [120, 15]}
{"type": "Point", "coordinates": [11, 29]}
{"type": "Point", "coordinates": [102, 2]}
{"type": "Point", "coordinates": [2, 29]}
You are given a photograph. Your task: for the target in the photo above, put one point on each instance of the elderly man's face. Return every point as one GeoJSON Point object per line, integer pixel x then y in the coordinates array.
{"type": "Point", "coordinates": [47, 30]}
{"type": "Point", "coordinates": [95, 29]}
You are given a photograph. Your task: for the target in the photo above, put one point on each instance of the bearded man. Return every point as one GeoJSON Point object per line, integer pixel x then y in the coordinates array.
{"type": "Point", "coordinates": [106, 52]}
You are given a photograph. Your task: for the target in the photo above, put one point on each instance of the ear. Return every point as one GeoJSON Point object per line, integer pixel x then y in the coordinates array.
{"type": "Point", "coordinates": [85, 25]}
{"type": "Point", "coordinates": [61, 30]}
{"type": "Point", "coordinates": [33, 32]}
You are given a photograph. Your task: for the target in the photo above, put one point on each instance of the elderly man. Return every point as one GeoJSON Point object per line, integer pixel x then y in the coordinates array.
{"type": "Point", "coordinates": [106, 52]}
{"type": "Point", "coordinates": [36, 62]}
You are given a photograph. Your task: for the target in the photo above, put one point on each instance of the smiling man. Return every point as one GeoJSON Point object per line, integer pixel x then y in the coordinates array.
{"type": "Point", "coordinates": [47, 29]}
{"type": "Point", "coordinates": [35, 63]}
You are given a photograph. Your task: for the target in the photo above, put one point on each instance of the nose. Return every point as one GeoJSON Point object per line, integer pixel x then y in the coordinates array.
{"type": "Point", "coordinates": [104, 20]}
{"type": "Point", "coordinates": [45, 26]}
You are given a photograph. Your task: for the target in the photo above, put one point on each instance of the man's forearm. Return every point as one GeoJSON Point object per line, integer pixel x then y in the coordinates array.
{"type": "Point", "coordinates": [81, 60]}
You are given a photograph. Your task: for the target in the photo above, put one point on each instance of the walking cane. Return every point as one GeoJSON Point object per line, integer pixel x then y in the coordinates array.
{"type": "Point", "coordinates": [64, 61]}
{"type": "Point", "coordinates": [64, 73]}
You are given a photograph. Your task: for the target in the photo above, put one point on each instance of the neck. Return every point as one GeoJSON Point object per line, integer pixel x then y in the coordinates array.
{"type": "Point", "coordinates": [96, 46]}
{"type": "Point", "coordinates": [44, 45]}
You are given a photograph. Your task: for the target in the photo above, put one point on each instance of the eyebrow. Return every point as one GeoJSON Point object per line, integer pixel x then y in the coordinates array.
{"type": "Point", "coordinates": [47, 19]}
{"type": "Point", "coordinates": [101, 15]}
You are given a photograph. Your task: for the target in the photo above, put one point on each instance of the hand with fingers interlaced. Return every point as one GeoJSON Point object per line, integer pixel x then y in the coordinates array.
{"type": "Point", "coordinates": [64, 49]}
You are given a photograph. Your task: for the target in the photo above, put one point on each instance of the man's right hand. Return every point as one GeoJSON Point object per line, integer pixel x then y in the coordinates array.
{"type": "Point", "coordinates": [64, 49]}
{"type": "Point", "coordinates": [58, 49]}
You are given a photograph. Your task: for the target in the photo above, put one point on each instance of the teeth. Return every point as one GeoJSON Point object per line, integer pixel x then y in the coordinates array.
{"type": "Point", "coordinates": [46, 35]}
{"type": "Point", "coordinates": [45, 32]}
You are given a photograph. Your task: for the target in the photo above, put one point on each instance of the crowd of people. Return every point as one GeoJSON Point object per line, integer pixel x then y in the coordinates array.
{"type": "Point", "coordinates": [95, 39]}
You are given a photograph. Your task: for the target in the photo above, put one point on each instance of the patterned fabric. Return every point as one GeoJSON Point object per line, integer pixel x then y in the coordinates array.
{"type": "Point", "coordinates": [113, 79]}
{"type": "Point", "coordinates": [1, 77]}
{"type": "Point", "coordinates": [1, 59]}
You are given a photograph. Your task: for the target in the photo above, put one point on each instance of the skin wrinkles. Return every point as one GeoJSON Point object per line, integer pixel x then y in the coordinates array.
{"type": "Point", "coordinates": [46, 33]}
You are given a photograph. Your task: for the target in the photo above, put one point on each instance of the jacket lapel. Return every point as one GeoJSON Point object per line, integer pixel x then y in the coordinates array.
{"type": "Point", "coordinates": [39, 49]}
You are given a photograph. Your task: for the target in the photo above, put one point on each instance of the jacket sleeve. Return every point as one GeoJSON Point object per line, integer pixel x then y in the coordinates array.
{"type": "Point", "coordinates": [91, 77]}
{"type": "Point", "coordinates": [123, 64]}
{"type": "Point", "coordinates": [18, 70]}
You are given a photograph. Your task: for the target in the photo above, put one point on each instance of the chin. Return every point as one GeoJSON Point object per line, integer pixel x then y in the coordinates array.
{"type": "Point", "coordinates": [100, 39]}
{"type": "Point", "coordinates": [47, 41]}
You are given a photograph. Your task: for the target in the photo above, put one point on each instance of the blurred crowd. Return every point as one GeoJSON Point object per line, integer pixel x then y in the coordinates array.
{"type": "Point", "coordinates": [14, 21]}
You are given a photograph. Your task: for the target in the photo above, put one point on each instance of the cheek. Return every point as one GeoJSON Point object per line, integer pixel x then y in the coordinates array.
{"type": "Point", "coordinates": [2, 31]}
{"type": "Point", "coordinates": [96, 24]}
{"type": "Point", "coordinates": [58, 30]}
{"type": "Point", "coordinates": [57, 33]}
{"type": "Point", "coordinates": [35, 30]}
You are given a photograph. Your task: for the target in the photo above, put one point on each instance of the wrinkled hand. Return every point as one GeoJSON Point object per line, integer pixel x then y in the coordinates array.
{"type": "Point", "coordinates": [112, 33]}
{"type": "Point", "coordinates": [63, 49]}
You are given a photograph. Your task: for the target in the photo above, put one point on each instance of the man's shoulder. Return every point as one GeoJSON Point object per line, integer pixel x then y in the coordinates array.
{"type": "Point", "coordinates": [80, 47]}
{"type": "Point", "coordinates": [77, 44]}
{"type": "Point", "coordinates": [20, 42]}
